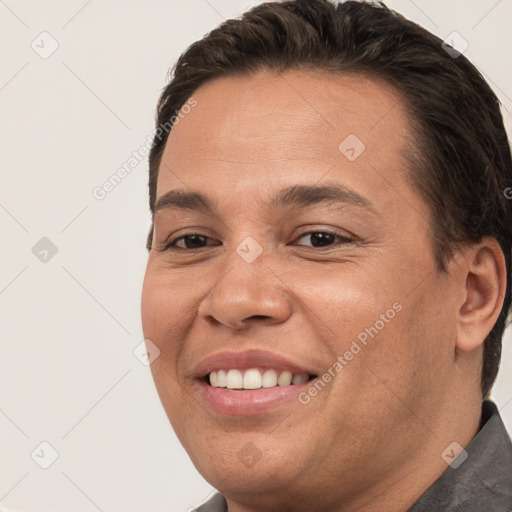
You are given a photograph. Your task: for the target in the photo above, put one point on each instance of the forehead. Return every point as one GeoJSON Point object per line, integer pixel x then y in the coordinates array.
{"type": "Point", "coordinates": [294, 126]}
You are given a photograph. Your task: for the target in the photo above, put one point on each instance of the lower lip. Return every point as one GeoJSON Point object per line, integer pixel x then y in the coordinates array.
{"type": "Point", "coordinates": [250, 402]}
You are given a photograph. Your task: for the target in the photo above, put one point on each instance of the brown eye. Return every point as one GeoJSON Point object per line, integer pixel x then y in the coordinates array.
{"type": "Point", "coordinates": [188, 242]}
{"type": "Point", "coordinates": [324, 238]}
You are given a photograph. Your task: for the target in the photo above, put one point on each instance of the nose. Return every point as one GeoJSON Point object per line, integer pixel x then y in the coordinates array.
{"type": "Point", "coordinates": [244, 294]}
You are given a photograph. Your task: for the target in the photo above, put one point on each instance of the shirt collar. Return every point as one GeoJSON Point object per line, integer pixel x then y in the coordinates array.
{"type": "Point", "coordinates": [484, 480]}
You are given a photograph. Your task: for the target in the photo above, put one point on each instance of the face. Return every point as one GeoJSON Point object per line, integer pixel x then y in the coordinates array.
{"type": "Point", "coordinates": [309, 254]}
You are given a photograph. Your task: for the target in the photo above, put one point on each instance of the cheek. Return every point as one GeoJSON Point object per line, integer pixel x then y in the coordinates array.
{"type": "Point", "coordinates": [182, 416]}
{"type": "Point", "coordinates": [432, 326]}
{"type": "Point", "coordinates": [153, 297]}
{"type": "Point", "coordinates": [163, 318]}
{"type": "Point", "coordinates": [365, 314]}
{"type": "Point", "coordinates": [342, 302]}
{"type": "Point", "coordinates": [163, 303]}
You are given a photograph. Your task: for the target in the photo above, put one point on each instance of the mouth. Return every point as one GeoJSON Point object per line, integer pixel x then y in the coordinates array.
{"type": "Point", "coordinates": [251, 383]}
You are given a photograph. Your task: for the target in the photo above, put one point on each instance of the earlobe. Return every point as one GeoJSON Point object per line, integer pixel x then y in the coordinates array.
{"type": "Point", "coordinates": [484, 275]}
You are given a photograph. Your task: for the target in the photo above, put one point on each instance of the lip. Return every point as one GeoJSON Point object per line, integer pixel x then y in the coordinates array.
{"type": "Point", "coordinates": [249, 359]}
{"type": "Point", "coordinates": [249, 402]}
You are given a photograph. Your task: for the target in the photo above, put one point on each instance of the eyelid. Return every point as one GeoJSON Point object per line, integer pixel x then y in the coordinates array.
{"type": "Point", "coordinates": [342, 238]}
{"type": "Point", "coordinates": [167, 245]}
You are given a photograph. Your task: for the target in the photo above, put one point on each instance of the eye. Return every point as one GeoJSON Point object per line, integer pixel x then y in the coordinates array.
{"type": "Point", "coordinates": [193, 241]}
{"type": "Point", "coordinates": [189, 242]}
{"type": "Point", "coordinates": [325, 238]}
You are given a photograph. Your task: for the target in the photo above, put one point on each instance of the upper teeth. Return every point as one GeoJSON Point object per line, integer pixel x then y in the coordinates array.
{"type": "Point", "coordinates": [254, 379]}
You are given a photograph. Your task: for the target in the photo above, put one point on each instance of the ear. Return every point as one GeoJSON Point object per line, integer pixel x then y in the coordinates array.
{"type": "Point", "coordinates": [483, 275]}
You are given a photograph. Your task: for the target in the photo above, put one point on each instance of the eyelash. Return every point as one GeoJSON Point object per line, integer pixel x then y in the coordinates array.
{"type": "Point", "coordinates": [169, 246]}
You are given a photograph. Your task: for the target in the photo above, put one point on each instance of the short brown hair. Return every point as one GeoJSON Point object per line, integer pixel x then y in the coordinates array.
{"type": "Point", "coordinates": [461, 164]}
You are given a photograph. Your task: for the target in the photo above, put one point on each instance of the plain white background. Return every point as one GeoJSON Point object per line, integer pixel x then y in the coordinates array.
{"type": "Point", "coordinates": [68, 375]}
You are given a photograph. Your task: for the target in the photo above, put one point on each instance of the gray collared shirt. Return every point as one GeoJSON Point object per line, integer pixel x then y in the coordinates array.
{"type": "Point", "coordinates": [482, 483]}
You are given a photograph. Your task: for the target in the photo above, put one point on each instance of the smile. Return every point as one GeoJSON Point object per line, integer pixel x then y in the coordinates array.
{"type": "Point", "coordinates": [255, 378]}
{"type": "Point", "coordinates": [252, 382]}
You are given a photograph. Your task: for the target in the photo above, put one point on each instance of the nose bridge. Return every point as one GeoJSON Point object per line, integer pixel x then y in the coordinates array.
{"type": "Point", "coordinates": [246, 288]}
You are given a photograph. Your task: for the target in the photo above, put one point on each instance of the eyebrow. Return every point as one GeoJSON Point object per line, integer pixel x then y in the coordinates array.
{"type": "Point", "coordinates": [300, 196]}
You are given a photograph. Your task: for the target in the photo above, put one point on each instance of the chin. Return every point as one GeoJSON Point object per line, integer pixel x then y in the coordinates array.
{"type": "Point", "coordinates": [244, 463]}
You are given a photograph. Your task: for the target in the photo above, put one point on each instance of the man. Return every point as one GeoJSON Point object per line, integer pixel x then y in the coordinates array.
{"type": "Point", "coordinates": [329, 271]}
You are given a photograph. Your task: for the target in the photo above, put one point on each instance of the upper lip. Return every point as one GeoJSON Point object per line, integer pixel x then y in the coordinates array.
{"type": "Point", "coordinates": [246, 360]}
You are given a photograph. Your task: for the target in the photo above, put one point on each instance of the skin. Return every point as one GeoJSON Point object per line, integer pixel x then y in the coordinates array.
{"type": "Point", "coordinates": [372, 439]}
